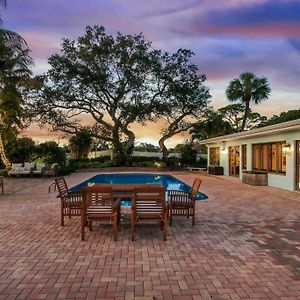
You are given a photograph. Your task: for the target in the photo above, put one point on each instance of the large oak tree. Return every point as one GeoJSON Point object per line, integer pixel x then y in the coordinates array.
{"type": "Point", "coordinates": [115, 81]}
{"type": "Point", "coordinates": [109, 80]}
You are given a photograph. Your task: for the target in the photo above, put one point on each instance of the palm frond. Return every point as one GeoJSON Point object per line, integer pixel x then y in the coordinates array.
{"type": "Point", "coordinates": [12, 39]}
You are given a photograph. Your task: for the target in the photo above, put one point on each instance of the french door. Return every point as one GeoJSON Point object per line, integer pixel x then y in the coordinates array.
{"type": "Point", "coordinates": [298, 165]}
{"type": "Point", "coordinates": [234, 161]}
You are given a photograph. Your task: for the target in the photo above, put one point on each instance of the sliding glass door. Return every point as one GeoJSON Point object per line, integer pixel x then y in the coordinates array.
{"type": "Point", "coordinates": [234, 161]}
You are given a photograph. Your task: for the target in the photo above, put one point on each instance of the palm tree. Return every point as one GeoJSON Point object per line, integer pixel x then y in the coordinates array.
{"type": "Point", "coordinates": [9, 36]}
{"type": "Point", "coordinates": [14, 72]}
{"type": "Point", "coordinates": [247, 88]}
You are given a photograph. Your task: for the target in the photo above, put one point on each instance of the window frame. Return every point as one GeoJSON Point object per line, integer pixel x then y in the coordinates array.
{"type": "Point", "coordinates": [265, 151]}
{"type": "Point", "coordinates": [215, 151]}
{"type": "Point", "coordinates": [244, 157]}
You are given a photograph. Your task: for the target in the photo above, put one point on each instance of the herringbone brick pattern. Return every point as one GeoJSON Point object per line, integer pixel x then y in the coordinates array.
{"type": "Point", "coordinates": [246, 244]}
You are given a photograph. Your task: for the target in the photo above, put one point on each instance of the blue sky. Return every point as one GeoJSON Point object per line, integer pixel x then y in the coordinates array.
{"type": "Point", "coordinates": [228, 37]}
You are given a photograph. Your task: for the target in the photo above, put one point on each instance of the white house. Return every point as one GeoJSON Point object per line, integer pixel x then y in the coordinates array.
{"type": "Point", "coordinates": [274, 150]}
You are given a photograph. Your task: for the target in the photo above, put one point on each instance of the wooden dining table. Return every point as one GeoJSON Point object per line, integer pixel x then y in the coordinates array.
{"type": "Point", "coordinates": [125, 191]}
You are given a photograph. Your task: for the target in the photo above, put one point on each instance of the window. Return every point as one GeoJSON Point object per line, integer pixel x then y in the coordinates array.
{"type": "Point", "coordinates": [264, 157]}
{"type": "Point", "coordinates": [244, 157]}
{"type": "Point", "coordinates": [274, 153]}
{"type": "Point", "coordinates": [282, 160]}
{"type": "Point", "coordinates": [269, 157]}
{"type": "Point", "coordinates": [214, 156]}
{"type": "Point", "coordinates": [256, 157]}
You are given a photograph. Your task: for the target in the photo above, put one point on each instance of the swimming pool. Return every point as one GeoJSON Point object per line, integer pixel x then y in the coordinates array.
{"type": "Point", "coordinates": [169, 182]}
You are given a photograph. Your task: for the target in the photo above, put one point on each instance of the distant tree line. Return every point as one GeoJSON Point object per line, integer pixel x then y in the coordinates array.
{"type": "Point", "coordinates": [26, 150]}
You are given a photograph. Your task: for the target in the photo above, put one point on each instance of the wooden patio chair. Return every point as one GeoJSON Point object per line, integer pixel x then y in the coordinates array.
{"type": "Point", "coordinates": [99, 204]}
{"type": "Point", "coordinates": [71, 202]}
{"type": "Point", "coordinates": [183, 203]}
{"type": "Point", "coordinates": [149, 204]}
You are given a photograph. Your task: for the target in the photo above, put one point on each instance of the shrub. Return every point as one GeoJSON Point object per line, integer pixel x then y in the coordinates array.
{"type": "Point", "coordinates": [188, 154]}
{"type": "Point", "coordinates": [50, 153]}
{"type": "Point", "coordinates": [63, 171]}
{"type": "Point", "coordinates": [80, 143]}
{"type": "Point", "coordinates": [174, 162]}
{"type": "Point", "coordinates": [21, 150]}
{"type": "Point", "coordinates": [3, 172]}
{"type": "Point", "coordinates": [86, 163]}
{"type": "Point", "coordinates": [105, 162]}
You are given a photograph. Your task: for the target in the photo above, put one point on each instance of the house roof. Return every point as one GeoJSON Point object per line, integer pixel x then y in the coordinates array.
{"type": "Point", "coordinates": [267, 130]}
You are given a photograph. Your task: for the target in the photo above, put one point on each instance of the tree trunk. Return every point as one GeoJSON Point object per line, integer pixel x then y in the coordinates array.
{"type": "Point", "coordinates": [246, 114]}
{"type": "Point", "coordinates": [163, 148]}
{"type": "Point", "coordinates": [129, 146]}
{"type": "Point", "coordinates": [119, 151]}
{"type": "Point", "coordinates": [3, 155]}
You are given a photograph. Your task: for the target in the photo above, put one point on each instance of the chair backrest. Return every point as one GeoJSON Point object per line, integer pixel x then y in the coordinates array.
{"type": "Point", "coordinates": [97, 195]}
{"type": "Point", "coordinates": [61, 186]}
{"type": "Point", "coordinates": [16, 167]}
{"type": "Point", "coordinates": [28, 166]}
{"type": "Point", "coordinates": [39, 166]}
{"type": "Point", "coordinates": [196, 187]}
{"type": "Point", "coordinates": [152, 193]}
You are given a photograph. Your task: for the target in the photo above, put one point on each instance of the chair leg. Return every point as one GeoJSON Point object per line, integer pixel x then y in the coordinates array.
{"type": "Point", "coordinates": [193, 218]}
{"type": "Point", "coordinates": [132, 227]}
{"type": "Point", "coordinates": [171, 217]}
{"type": "Point", "coordinates": [90, 225]}
{"type": "Point", "coordinates": [62, 221]}
{"type": "Point", "coordinates": [119, 218]}
{"type": "Point", "coordinates": [115, 227]}
{"type": "Point", "coordinates": [165, 229]}
{"type": "Point", "coordinates": [83, 223]}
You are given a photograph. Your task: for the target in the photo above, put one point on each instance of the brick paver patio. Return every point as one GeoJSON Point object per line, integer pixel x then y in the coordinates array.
{"type": "Point", "coordinates": [246, 244]}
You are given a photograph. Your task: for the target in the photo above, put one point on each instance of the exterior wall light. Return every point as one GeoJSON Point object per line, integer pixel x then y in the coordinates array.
{"type": "Point", "coordinates": [224, 150]}
{"type": "Point", "coordinates": [286, 148]}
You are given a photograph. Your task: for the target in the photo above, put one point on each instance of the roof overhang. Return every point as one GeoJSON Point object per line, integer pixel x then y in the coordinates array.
{"type": "Point", "coordinates": [271, 129]}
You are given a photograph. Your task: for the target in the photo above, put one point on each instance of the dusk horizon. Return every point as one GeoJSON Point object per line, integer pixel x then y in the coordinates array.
{"type": "Point", "coordinates": [259, 36]}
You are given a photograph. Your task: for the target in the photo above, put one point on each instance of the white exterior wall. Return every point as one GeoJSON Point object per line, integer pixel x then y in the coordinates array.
{"type": "Point", "coordinates": [285, 181]}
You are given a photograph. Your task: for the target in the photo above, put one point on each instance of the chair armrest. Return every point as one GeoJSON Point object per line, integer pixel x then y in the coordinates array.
{"type": "Point", "coordinates": [73, 200]}
{"type": "Point", "coordinates": [179, 196]}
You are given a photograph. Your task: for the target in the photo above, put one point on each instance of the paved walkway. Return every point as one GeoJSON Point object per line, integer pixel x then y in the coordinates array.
{"type": "Point", "coordinates": [246, 244]}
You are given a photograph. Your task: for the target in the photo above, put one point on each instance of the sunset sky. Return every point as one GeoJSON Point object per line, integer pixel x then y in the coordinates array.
{"type": "Point", "coordinates": [228, 38]}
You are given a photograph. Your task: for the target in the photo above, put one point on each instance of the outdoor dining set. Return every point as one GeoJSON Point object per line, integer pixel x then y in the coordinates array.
{"type": "Point", "coordinates": [150, 202]}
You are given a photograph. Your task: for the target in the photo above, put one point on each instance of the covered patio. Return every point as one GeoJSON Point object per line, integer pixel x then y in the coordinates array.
{"type": "Point", "coordinates": [245, 244]}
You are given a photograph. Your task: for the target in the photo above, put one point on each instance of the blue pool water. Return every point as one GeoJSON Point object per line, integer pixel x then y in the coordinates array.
{"type": "Point", "coordinates": [169, 182]}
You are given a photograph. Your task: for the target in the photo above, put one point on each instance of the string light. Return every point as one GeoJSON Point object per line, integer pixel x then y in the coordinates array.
{"type": "Point", "coordinates": [3, 155]}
